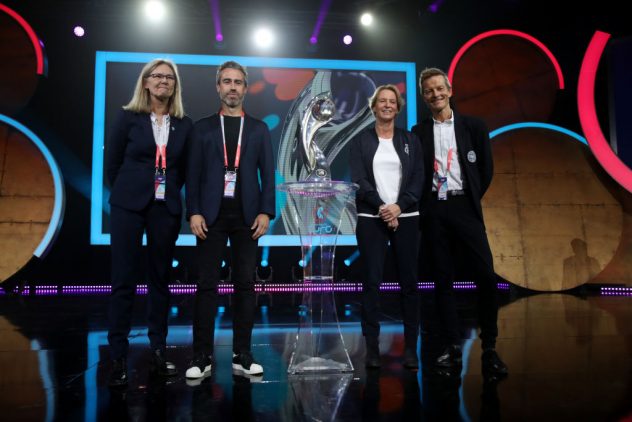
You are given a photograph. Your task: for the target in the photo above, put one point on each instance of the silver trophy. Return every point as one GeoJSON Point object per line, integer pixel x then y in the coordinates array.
{"type": "Point", "coordinates": [310, 129]}
{"type": "Point", "coordinates": [319, 112]}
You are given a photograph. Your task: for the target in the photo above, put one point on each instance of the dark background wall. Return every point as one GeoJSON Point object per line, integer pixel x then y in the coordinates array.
{"type": "Point", "coordinates": [60, 108]}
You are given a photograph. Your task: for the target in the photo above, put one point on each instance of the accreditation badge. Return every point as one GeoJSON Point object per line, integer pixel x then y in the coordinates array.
{"type": "Point", "coordinates": [160, 186]}
{"type": "Point", "coordinates": [230, 182]}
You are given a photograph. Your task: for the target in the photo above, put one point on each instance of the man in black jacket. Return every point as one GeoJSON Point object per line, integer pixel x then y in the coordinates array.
{"type": "Point", "coordinates": [459, 169]}
{"type": "Point", "coordinates": [229, 195]}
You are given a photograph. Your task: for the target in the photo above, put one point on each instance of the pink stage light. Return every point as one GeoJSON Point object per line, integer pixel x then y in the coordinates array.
{"type": "Point", "coordinates": [588, 114]}
{"type": "Point", "coordinates": [511, 32]}
{"type": "Point", "coordinates": [39, 54]}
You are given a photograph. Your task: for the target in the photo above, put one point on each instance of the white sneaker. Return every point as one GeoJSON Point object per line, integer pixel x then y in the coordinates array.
{"type": "Point", "coordinates": [199, 367]}
{"type": "Point", "coordinates": [245, 364]}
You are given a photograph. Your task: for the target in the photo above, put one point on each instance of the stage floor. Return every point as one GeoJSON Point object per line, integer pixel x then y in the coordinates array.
{"type": "Point", "coordinates": [569, 357]}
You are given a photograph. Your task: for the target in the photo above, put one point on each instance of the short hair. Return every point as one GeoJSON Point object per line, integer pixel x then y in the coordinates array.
{"type": "Point", "coordinates": [429, 72]}
{"type": "Point", "coordinates": [141, 101]}
{"type": "Point", "coordinates": [390, 87]}
{"type": "Point", "coordinates": [231, 65]}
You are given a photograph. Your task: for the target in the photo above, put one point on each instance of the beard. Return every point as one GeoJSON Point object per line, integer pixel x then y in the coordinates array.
{"type": "Point", "coordinates": [232, 101]}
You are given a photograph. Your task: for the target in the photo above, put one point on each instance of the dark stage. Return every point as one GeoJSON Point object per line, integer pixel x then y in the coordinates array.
{"type": "Point", "coordinates": [570, 358]}
{"type": "Point", "coordinates": [550, 80]}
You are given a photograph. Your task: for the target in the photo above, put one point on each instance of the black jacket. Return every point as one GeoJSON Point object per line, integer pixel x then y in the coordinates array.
{"type": "Point", "coordinates": [205, 171]}
{"type": "Point", "coordinates": [363, 148]}
{"type": "Point", "coordinates": [474, 152]}
{"type": "Point", "coordinates": [131, 161]}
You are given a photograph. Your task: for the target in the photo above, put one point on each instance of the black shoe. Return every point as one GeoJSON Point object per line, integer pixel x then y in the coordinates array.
{"type": "Point", "coordinates": [200, 366]}
{"type": "Point", "coordinates": [160, 366]}
{"type": "Point", "coordinates": [493, 365]}
{"type": "Point", "coordinates": [244, 363]}
{"type": "Point", "coordinates": [411, 361]}
{"type": "Point", "coordinates": [450, 358]}
{"type": "Point", "coordinates": [118, 374]}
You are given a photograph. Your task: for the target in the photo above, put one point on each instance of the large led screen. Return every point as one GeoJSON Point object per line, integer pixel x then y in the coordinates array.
{"type": "Point", "coordinates": [275, 85]}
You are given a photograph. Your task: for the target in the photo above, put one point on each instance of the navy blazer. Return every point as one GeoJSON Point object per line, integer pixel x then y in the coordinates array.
{"type": "Point", "coordinates": [205, 171]}
{"type": "Point", "coordinates": [131, 161]}
{"type": "Point", "coordinates": [474, 153]}
{"type": "Point", "coordinates": [363, 148]}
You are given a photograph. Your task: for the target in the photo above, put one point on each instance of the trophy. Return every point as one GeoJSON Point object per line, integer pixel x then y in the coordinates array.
{"type": "Point", "coordinates": [319, 112]}
{"type": "Point", "coordinates": [316, 129]}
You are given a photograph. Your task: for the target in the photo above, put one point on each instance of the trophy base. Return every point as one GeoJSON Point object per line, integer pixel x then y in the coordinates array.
{"type": "Point", "coordinates": [317, 364]}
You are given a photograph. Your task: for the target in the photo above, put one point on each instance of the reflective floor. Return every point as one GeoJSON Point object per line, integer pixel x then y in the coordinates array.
{"type": "Point", "coordinates": [570, 358]}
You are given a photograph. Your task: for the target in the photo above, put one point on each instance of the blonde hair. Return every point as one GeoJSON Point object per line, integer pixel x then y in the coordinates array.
{"type": "Point", "coordinates": [390, 87]}
{"type": "Point", "coordinates": [141, 103]}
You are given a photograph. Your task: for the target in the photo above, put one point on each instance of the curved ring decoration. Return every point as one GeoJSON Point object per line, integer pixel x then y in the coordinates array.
{"type": "Point", "coordinates": [514, 33]}
{"type": "Point", "coordinates": [58, 207]}
{"type": "Point", "coordinates": [588, 114]}
{"type": "Point", "coordinates": [537, 125]}
{"type": "Point", "coordinates": [39, 53]}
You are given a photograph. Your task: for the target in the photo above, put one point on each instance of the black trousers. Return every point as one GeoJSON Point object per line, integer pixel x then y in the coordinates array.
{"type": "Point", "coordinates": [126, 228]}
{"type": "Point", "coordinates": [373, 236]}
{"type": "Point", "coordinates": [450, 226]}
{"type": "Point", "coordinates": [243, 261]}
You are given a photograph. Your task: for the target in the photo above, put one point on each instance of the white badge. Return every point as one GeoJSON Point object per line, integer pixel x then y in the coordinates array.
{"type": "Point", "coordinates": [471, 157]}
{"type": "Point", "coordinates": [230, 183]}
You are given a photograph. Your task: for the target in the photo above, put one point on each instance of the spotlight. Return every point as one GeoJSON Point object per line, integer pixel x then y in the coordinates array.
{"type": "Point", "coordinates": [219, 37]}
{"type": "Point", "coordinates": [264, 262]}
{"type": "Point", "coordinates": [155, 10]}
{"type": "Point", "coordinates": [366, 19]}
{"type": "Point", "coordinates": [313, 40]}
{"type": "Point", "coordinates": [264, 37]}
{"type": "Point", "coordinates": [347, 39]}
{"type": "Point", "coordinates": [175, 263]}
{"type": "Point", "coordinates": [352, 258]}
{"type": "Point", "coordinates": [79, 31]}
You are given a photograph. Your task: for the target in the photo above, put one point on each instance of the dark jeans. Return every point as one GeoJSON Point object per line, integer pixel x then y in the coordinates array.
{"type": "Point", "coordinates": [243, 261]}
{"type": "Point", "coordinates": [127, 229]}
{"type": "Point", "coordinates": [454, 225]}
{"type": "Point", "coordinates": [373, 236]}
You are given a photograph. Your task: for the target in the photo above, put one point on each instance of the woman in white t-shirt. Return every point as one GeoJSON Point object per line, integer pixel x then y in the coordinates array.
{"type": "Point", "coordinates": [387, 163]}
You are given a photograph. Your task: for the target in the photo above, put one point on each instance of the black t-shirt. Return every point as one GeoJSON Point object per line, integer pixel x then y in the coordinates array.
{"type": "Point", "coordinates": [231, 131]}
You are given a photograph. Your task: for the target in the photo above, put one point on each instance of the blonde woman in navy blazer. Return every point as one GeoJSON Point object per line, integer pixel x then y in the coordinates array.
{"type": "Point", "coordinates": [140, 203]}
{"type": "Point", "coordinates": [387, 163]}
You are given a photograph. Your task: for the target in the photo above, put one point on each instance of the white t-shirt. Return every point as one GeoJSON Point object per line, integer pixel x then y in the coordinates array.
{"type": "Point", "coordinates": [387, 170]}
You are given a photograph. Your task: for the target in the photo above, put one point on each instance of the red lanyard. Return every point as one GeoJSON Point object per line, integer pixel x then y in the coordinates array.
{"type": "Point", "coordinates": [161, 154]}
{"type": "Point", "coordinates": [436, 165]}
{"type": "Point", "coordinates": [241, 130]}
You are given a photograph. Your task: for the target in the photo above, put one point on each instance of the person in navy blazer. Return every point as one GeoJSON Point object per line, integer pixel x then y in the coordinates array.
{"type": "Point", "coordinates": [387, 163]}
{"type": "Point", "coordinates": [459, 169]}
{"type": "Point", "coordinates": [146, 156]}
{"type": "Point", "coordinates": [229, 195]}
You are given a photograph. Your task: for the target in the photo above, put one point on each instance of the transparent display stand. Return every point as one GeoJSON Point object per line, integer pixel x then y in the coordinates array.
{"type": "Point", "coordinates": [319, 208]}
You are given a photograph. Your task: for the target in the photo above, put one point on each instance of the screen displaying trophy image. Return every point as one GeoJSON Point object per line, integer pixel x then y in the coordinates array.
{"type": "Point", "coordinates": [310, 142]}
